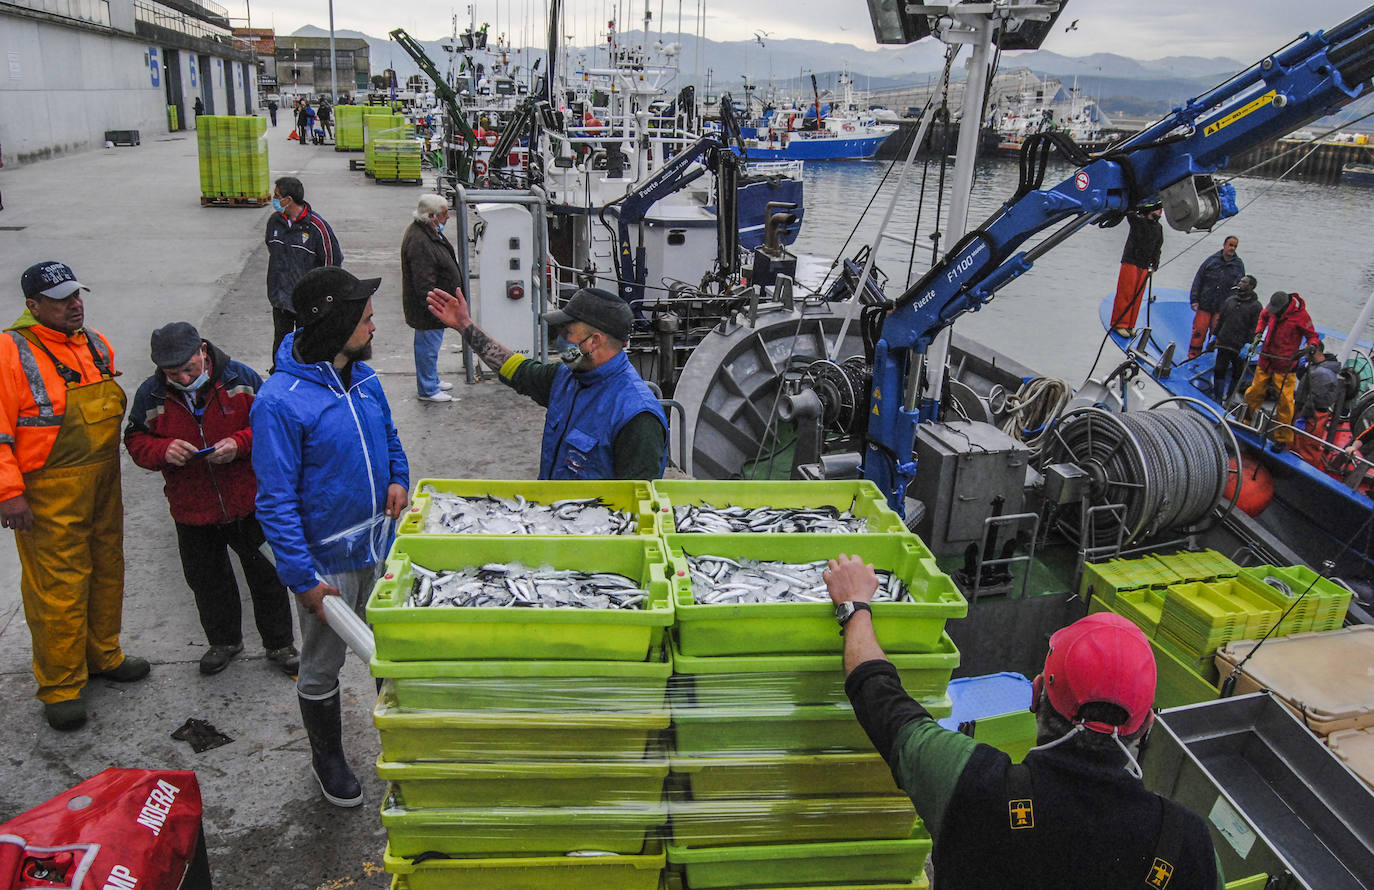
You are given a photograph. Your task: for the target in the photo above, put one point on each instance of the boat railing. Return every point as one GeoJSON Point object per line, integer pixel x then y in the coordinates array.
{"type": "Point", "coordinates": [1332, 455]}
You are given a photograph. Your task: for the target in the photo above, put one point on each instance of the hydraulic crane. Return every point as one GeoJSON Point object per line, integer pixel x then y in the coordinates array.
{"type": "Point", "coordinates": [1314, 75]}
{"type": "Point", "coordinates": [458, 160]}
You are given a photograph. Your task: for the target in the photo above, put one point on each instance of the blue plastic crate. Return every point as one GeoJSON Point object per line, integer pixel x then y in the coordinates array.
{"type": "Point", "coordinates": [976, 698]}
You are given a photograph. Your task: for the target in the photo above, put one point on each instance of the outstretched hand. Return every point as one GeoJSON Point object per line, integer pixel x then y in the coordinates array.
{"type": "Point", "coordinates": [450, 308]}
{"type": "Point", "coordinates": [849, 578]}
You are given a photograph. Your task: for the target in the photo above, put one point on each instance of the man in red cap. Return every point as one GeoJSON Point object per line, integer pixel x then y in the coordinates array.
{"type": "Point", "coordinates": [1075, 813]}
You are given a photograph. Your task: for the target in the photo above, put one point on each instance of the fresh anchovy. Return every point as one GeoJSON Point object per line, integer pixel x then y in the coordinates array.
{"type": "Point", "coordinates": [490, 515]}
{"type": "Point", "coordinates": [717, 580]}
{"type": "Point", "coordinates": [705, 518]}
{"type": "Point", "coordinates": [496, 585]}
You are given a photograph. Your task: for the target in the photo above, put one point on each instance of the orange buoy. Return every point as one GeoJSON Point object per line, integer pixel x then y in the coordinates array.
{"type": "Point", "coordinates": [1257, 485]}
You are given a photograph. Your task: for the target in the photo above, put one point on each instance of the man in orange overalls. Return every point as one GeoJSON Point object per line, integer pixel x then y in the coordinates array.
{"type": "Point", "coordinates": [60, 413]}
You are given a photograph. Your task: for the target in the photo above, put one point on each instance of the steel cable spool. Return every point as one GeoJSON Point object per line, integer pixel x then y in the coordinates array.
{"type": "Point", "coordinates": [1168, 467]}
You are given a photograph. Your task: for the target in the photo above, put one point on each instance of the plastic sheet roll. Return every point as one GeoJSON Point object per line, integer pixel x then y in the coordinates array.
{"type": "Point", "coordinates": [350, 628]}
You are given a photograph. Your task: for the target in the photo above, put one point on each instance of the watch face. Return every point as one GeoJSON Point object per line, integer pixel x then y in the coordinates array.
{"type": "Point", "coordinates": [844, 610]}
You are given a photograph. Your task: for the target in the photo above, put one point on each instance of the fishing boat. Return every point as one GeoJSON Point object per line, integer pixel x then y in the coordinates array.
{"type": "Point", "coordinates": [817, 132]}
{"type": "Point", "coordinates": [1038, 106]}
{"type": "Point", "coordinates": [1358, 174]}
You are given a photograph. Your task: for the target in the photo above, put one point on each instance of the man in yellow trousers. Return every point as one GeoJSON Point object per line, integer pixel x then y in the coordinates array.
{"type": "Point", "coordinates": [60, 413]}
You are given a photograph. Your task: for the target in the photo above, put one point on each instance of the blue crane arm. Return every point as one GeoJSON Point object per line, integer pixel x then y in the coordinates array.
{"type": "Point", "coordinates": [1312, 76]}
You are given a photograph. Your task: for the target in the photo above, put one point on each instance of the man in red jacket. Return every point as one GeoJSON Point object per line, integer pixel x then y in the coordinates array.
{"type": "Point", "coordinates": [190, 421]}
{"type": "Point", "coordinates": [1287, 325]}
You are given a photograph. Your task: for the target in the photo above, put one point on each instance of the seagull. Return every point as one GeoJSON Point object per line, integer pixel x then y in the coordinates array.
{"type": "Point", "coordinates": [1073, 26]}
{"type": "Point", "coordinates": [759, 35]}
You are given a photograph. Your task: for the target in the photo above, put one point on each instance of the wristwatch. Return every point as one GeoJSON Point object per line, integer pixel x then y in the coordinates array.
{"type": "Point", "coordinates": [845, 611]}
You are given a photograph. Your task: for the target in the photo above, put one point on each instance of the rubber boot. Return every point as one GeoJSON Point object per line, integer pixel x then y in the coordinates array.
{"type": "Point", "coordinates": [324, 725]}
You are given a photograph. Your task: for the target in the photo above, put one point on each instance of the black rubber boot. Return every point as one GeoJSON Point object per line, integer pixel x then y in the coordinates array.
{"type": "Point", "coordinates": [324, 726]}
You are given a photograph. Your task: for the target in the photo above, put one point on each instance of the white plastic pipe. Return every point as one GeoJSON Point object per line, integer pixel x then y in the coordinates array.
{"type": "Point", "coordinates": [350, 628]}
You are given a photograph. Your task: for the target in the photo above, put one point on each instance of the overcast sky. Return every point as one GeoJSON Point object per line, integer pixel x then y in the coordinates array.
{"type": "Point", "coordinates": [1141, 29]}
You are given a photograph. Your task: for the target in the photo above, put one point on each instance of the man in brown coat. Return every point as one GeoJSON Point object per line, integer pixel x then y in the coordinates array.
{"type": "Point", "coordinates": [428, 261]}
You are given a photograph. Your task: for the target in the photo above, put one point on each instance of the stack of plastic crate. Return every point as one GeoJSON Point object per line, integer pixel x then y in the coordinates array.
{"type": "Point", "coordinates": [516, 738]}
{"type": "Point", "coordinates": [380, 126]}
{"type": "Point", "coordinates": [348, 127]}
{"type": "Point", "coordinates": [233, 160]}
{"type": "Point", "coordinates": [396, 160]}
{"type": "Point", "coordinates": [775, 784]}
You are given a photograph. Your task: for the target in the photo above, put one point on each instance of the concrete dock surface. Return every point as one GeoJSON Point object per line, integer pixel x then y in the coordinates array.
{"type": "Point", "coordinates": [129, 222]}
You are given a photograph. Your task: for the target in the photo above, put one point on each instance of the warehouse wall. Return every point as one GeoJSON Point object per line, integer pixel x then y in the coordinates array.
{"type": "Point", "coordinates": [62, 88]}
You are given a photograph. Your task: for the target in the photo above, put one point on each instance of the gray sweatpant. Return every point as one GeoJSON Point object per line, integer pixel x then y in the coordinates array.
{"type": "Point", "coordinates": [323, 651]}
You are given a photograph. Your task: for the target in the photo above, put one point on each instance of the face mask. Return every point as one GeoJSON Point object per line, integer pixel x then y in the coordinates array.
{"type": "Point", "coordinates": [193, 385]}
{"type": "Point", "coordinates": [571, 353]}
{"type": "Point", "coordinates": [276, 205]}
{"type": "Point", "coordinates": [439, 227]}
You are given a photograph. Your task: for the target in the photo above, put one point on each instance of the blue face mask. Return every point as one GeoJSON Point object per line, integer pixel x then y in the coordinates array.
{"type": "Point", "coordinates": [276, 205]}
{"type": "Point", "coordinates": [194, 384]}
{"type": "Point", "coordinates": [571, 353]}
{"type": "Point", "coordinates": [439, 227]}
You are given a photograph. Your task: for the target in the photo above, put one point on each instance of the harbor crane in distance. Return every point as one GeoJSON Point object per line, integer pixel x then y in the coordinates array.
{"type": "Point", "coordinates": [1173, 159]}
{"type": "Point", "coordinates": [457, 158]}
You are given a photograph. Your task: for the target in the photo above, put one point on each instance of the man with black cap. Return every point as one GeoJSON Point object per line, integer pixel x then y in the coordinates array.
{"type": "Point", "coordinates": [602, 420]}
{"type": "Point", "coordinates": [332, 479]}
{"type": "Point", "coordinates": [60, 411]}
{"type": "Point", "coordinates": [1075, 813]}
{"type": "Point", "coordinates": [1283, 325]}
{"type": "Point", "coordinates": [190, 422]}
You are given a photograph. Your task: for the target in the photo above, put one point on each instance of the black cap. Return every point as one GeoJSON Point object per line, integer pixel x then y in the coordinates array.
{"type": "Point", "coordinates": [322, 290]}
{"type": "Point", "coordinates": [50, 279]}
{"type": "Point", "coordinates": [1278, 302]}
{"type": "Point", "coordinates": [601, 309]}
{"type": "Point", "coordinates": [174, 344]}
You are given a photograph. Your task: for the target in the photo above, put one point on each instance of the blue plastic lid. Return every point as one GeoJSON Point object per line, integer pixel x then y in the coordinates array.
{"type": "Point", "coordinates": [978, 697]}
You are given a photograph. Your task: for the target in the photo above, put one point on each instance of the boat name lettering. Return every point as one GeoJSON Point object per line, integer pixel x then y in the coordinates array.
{"type": "Point", "coordinates": [120, 879]}
{"type": "Point", "coordinates": [157, 806]}
{"type": "Point", "coordinates": [1249, 108]}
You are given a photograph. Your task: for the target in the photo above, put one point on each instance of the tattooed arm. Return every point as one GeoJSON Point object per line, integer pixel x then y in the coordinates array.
{"type": "Point", "coordinates": [452, 310]}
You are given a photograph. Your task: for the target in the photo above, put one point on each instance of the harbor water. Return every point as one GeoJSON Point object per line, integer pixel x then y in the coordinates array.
{"type": "Point", "coordinates": [1311, 238]}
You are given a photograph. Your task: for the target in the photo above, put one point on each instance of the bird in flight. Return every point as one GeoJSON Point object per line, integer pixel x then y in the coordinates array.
{"type": "Point", "coordinates": [1073, 26]}
{"type": "Point", "coordinates": [759, 35]}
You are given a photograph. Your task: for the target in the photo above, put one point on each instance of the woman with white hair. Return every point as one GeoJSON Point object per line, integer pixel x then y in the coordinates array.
{"type": "Point", "coordinates": [428, 261]}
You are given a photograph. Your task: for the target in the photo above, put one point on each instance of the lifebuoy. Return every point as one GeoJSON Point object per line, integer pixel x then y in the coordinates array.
{"type": "Point", "coordinates": [489, 139]}
{"type": "Point", "coordinates": [479, 167]}
{"type": "Point", "coordinates": [590, 122]}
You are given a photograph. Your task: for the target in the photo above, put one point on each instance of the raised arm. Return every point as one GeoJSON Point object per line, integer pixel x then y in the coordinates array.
{"type": "Point", "coordinates": [452, 310]}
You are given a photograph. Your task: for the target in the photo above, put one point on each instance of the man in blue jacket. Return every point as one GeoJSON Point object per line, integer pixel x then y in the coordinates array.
{"type": "Point", "coordinates": [602, 420]}
{"type": "Point", "coordinates": [1212, 284]}
{"type": "Point", "coordinates": [332, 478]}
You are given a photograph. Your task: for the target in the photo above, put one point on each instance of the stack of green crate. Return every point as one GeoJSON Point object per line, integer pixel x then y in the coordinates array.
{"type": "Point", "coordinates": [380, 127]}
{"type": "Point", "coordinates": [1105, 580]}
{"type": "Point", "coordinates": [1198, 618]}
{"type": "Point", "coordinates": [233, 157]}
{"type": "Point", "coordinates": [396, 160]}
{"type": "Point", "coordinates": [775, 784]}
{"type": "Point", "coordinates": [514, 737]}
{"type": "Point", "coordinates": [348, 127]}
{"type": "Point", "coordinates": [1317, 604]}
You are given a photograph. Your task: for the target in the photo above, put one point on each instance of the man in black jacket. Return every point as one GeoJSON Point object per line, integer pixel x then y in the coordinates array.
{"type": "Point", "coordinates": [1232, 329]}
{"type": "Point", "coordinates": [298, 240]}
{"type": "Point", "coordinates": [1074, 814]}
{"type": "Point", "coordinates": [1139, 259]}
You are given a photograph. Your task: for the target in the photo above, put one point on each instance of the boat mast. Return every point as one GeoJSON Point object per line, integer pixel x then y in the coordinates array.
{"type": "Point", "coordinates": [974, 30]}
{"type": "Point", "coordinates": [1361, 324]}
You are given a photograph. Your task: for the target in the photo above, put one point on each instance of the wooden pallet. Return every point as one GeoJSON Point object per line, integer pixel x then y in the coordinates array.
{"type": "Point", "coordinates": [380, 181]}
{"type": "Point", "coordinates": [233, 201]}
{"type": "Point", "coordinates": [357, 164]}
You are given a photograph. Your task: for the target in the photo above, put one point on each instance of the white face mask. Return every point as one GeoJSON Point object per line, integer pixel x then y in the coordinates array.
{"type": "Point", "coordinates": [193, 385]}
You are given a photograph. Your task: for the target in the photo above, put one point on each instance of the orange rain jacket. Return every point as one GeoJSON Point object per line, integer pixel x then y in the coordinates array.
{"type": "Point", "coordinates": [30, 445]}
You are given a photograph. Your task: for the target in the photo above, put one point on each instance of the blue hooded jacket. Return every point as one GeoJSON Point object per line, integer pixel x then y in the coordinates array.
{"type": "Point", "coordinates": [324, 456]}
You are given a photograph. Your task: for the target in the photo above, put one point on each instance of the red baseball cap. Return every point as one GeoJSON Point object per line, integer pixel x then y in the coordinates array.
{"type": "Point", "coordinates": [1101, 658]}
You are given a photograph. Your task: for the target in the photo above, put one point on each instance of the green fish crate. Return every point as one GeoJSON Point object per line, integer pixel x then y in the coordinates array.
{"type": "Point", "coordinates": [758, 775]}
{"type": "Point", "coordinates": [1143, 607]}
{"type": "Point", "coordinates": [497, 831]}
{"type": "Point", "coordinates": [1323, 607]}
{"type": "Point", "coordinates": [635, 498]}
{"type": "Point", "coordinates": [750, 680]}
{"type": "Point", "coordinates": [636, 871]}
{"type": "Point", "coordinates": [527, 685]}
{"type": "Point", "coordinates": [536, 783]}
{"type": "Point", "coordinates": [411, 633]}
{"type": "Point", "coordinates": [778, 730]}
{"type": "Point", "coordinates": [1198, 565]}
{"type": "Point", "coordinates": [861, 497]}
{"type": "Point", "coordinates": [1203, 616]}
{"type": "Point", "coordinates": [872, 864]}
{"type": "Point", "coordinates": [486, 735]}
{"type": "Point", "coordinates": [794, 820]}
{"type": "Point", "coordinates": [1106, 580]}
{"type": "Point", "coordinates": [809, 628]}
